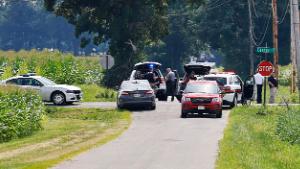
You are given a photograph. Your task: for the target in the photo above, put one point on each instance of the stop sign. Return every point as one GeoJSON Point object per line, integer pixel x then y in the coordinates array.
{"type": "Point", "coordinates": [265, 68]}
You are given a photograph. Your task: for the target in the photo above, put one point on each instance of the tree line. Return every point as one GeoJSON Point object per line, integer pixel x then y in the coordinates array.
{"type": "Point", "coordinates": [168, 31]}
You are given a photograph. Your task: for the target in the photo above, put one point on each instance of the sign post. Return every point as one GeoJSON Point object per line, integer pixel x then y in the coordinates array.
{"type": "Point", "coordinates": [265, 68]}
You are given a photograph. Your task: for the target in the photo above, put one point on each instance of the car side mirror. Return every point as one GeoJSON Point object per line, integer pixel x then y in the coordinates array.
{"type": "Point", "coordinates": [181, 92]}
{"type": "Point", "coordinates": [117, 87]}
{"type": "Point", "coordinates": [222, 93]}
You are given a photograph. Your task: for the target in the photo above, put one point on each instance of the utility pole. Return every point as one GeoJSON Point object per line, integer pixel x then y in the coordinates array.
{"type": "Point", "coordinates": [296, 26]}
{"type": "Point", "coordinates": [275, 36]}
{"type": "Point", "coordinates": [293, 52]}
{"type": "Point", "coordinates": [251, 47]}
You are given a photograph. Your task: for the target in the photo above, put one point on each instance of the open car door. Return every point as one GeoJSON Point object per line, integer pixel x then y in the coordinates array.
{"type": "Point", "coordinates": [249, 90]}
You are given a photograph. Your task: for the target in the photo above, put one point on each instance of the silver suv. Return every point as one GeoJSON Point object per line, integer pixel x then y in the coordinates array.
{"type": "Point", "coordinates": [231, 84]}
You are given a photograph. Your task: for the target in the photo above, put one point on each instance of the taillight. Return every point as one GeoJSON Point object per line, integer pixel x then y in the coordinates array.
{"type": "Point", "coordinates": [124, 93]}
{"type": "Point", "coordinates": [227, 89]}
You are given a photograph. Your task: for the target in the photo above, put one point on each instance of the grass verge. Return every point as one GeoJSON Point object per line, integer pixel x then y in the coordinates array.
{"type": "Point", "coordinates": [66, 133]}
{"type": "Point", "coordinates": [250, 141]}
{"type": "Point", "coordinates": [95, 93]}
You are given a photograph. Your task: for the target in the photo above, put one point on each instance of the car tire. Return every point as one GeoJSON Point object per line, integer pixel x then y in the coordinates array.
{"type": "Point", "coordinates": [153, 107]}
{"type": "Point", "coordinates": [234, 102]}
{"type": "Point", "coordinates": [183, 114]}
{"type": "Point", "coordinates": [119, 106]}
{"type": "Point", "coordinates": [219, 114]}
{"type": "Point", "coordinates": [58, 98]}
{"type": "Point", "coordinates": [69, 103]}
{"type": "Point", "coordinates": [163, 98]}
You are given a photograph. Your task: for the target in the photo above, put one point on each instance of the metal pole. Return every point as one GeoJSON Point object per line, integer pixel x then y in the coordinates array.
{"type": "Point", "coordinates": [275, 36]}
{"type": "Point", "coordinates": [106, 62]}
{"type": "Point", "coordinates": [293, 53]}
{"type": "Point", "coordinates": [265, 90]}
{"type": "Point", "coordinates": [296, 23]}
{"type": "Point", "coordinates": [251, 47]}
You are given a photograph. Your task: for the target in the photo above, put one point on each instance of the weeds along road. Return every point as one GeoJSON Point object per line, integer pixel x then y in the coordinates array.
{"type": "Point", "coordinates": [158, 139]}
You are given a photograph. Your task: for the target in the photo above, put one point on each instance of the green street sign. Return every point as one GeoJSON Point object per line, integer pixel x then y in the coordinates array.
{"type": "Point", "coordinates": [265, 50]}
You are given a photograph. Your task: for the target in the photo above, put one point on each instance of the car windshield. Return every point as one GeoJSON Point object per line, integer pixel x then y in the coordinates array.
{"type": "Point", "coordinates": [46, 81]}
{"type": "Point", "coordinates": [201, 88]}
{"type": "Point", "coordinates": [135, 85]}
{"type": "Point", "coordinates": [220, 80]}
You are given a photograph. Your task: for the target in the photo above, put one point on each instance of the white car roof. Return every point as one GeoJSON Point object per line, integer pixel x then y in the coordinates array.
{"type": "Point", "coordinates": [220, 75]}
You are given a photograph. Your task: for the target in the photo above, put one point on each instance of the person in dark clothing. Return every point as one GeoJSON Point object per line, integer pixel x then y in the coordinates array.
{"type": "Point", "coordinates": [273, 84]}
{"type": "Point", "coordinates": [170, 83]}
{"type": "Point", "coordinates": [259, 79]}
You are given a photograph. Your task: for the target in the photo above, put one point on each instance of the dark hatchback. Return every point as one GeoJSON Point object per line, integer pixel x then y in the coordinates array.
{"type": "Point", "coordinates": [136, 93]}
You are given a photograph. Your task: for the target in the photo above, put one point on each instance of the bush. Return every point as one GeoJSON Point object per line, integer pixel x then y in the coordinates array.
{"type": "Point", "coordinates": [285, 74]}
{"type": "Point", "coordinates": [288, 127]}
{"type": "Point", "coordinates": [20, 113]}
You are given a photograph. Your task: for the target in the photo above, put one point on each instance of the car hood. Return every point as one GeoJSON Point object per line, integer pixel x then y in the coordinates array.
{"type": "Point", "coordinates": [67, 87]}
{"type": "Point", "coordinates": [203, 95]}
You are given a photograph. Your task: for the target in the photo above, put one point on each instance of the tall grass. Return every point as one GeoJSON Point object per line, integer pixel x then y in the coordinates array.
{"type": "Point", "coordinates": [20, 112]}
{"type": "Point", "coordinates": [57, 66]}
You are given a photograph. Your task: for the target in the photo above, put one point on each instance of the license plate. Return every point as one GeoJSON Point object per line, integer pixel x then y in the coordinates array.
{"type": "Point", "coordinates": [201, 108]}
{"type": "Point", "coordinates": [136, 95]}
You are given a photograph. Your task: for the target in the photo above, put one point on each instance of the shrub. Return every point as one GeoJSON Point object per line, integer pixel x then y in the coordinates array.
{"type": "Point", "coordinates": [20, 113]}
{"type": "Point", "coordinates": [285, 75]}
{"type": "Point", "coordinates": [288, 126]}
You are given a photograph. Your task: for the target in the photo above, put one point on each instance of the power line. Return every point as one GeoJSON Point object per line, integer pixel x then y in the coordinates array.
{"type": "Point", "coordinates": [285, 13]}
{"type": "Point", "coordinates": [254, 39]}
{"type": "Point", "coordinates": [217, 6]}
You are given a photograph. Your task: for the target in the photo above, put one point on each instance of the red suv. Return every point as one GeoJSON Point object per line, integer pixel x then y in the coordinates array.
{"type": "Point", "coordinates": [202, 97]}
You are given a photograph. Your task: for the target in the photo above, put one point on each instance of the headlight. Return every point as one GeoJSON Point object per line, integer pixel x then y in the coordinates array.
{"type": "Point", "coordinates": [216, 99]}
{"type": "Point", "coordinates": [186, 99]}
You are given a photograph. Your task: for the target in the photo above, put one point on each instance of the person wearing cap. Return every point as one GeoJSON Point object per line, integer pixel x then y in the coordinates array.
{"type": "Point", "coordinates": [259, 80]}
{"type": "Point", "coordinates": [170, 83]}
{"type": "Point", "coordinates": [273, 84]}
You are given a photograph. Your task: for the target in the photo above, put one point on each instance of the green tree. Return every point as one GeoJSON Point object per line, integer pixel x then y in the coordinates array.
{"type": "Point", "coordinates": [127, 25]}
{"type": "Point", "coordinates": [225, 26]}
{"type": "Point", "coordinates": [181, 42]}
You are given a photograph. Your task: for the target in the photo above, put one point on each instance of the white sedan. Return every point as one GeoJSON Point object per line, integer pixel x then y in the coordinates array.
{"type": "Point", "coordinates": [49, 91]}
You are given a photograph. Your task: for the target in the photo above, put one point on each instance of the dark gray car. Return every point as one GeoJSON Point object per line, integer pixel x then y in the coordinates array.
{"type": "Point", "coordinates": [136, 93]}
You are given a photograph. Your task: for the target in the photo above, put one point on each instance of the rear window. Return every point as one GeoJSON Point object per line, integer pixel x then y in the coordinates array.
{"type": "Point", "coordinates": [135, 85]}
{"type": "Point", "coordinates": [220, 80]}
{"type": "Point", "coordinates": [201, 88]}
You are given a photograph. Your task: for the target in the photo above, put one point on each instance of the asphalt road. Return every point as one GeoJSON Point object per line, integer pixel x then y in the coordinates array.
{"type": "Point", "coordinates": [158, 139]}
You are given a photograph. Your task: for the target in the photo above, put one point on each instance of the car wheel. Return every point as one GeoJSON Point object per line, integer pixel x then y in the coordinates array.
{"type": "Point", "coordinates": [234, 102]}
{"type": "Point", "coordinates": [183, 114]}
{"type": "Point", "coordinates": [219, 114]}
{"type": "Point", "coordinates": [153, 107]}
{"type": "Point", "coordinates": [163, 98]}
{"type": "Point", "coordinates": [119, 106]}
{"type": "Point", "coordinates": [58, 98]}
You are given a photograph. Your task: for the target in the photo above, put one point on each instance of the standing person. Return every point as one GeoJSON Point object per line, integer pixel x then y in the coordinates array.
{"type": "Point", "coordinates": [259, 80]}
{"type": "Point", "coordinates": [170, 82]}
{"type": "Point", "coordinates": [273, 84]}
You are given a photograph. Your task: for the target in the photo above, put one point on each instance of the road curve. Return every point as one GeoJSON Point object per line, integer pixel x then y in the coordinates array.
{"type": "Point", "coordinates": [158, 139]}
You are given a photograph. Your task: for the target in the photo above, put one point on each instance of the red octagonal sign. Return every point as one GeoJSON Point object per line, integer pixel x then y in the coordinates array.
{"type": "Point", "coordinates": [265, 68]}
